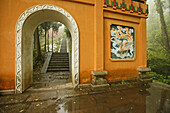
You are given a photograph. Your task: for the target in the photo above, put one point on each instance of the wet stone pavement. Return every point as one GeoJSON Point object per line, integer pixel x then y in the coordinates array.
{"type": "Point", "coordinates": [53, 93]}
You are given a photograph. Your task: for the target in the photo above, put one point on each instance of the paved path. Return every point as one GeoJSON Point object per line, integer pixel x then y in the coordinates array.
{"type": "Point", "coordinates": [63, 46]}
{"type": "Point", "coordinates": [64, 99]}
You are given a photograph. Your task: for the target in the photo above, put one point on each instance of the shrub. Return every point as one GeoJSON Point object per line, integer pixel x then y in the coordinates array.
{"type": "Point", "coordinates": [159, 77]}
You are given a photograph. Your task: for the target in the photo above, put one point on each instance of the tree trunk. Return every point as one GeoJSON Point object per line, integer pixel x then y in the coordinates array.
{"type": "Point", "coordinates": [52, 40]}
{"type": "Point", "coordinates": [34, 40]}
{"type": "Point", "coordinates": [45, 41]}
{"type": "Point", "coordinates": [37, 41]}
{"type": "Point", "coordinates": [163, 25]}
{"type": "Point", "coordinates": [48, 41]}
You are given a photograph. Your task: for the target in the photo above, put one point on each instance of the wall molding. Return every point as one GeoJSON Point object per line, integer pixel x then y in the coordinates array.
{"type": "Point", "coordinates": [124, 13]}
{"type": "Point", "coordinates": [80, 1]}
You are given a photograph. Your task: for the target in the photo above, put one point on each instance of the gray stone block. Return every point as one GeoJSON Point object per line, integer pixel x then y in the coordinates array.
{"type": "Point", "coordinates": [143, 70]}
{"type": "Point", "coordinates": [99, 73]}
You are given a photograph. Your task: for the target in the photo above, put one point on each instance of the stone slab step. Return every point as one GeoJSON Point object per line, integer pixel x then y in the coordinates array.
{"type": "Point", "coordinates": [60, 55]}
{"type": "Point", "coordinates": [61, 67]}
{"type": "Point", "coordinates": [59, 59]}
{"type": "Point", "coordinates": [59, 62]}
{"type": "Point", "coordinates": [56, 70]}
{"type": "Point", "coordinates": [56, 62]}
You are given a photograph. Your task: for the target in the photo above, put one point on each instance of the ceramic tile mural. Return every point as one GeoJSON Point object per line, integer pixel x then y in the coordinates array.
{"type": "Point", "coordinates": [122, 42]}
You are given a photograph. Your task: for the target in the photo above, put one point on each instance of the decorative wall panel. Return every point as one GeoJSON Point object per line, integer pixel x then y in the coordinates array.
{"type": "Point", "coordinates": [122, 42]}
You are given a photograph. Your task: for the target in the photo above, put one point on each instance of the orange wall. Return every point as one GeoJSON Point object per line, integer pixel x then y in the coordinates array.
{"type": "Point", "coordinates": [118, 69]}
{"type": "Point", "coordinates": [124, 69]}
{"type": "Point", "coordinates": [10, 11]}
{"type": "Point", "coordinates": [92, 19]}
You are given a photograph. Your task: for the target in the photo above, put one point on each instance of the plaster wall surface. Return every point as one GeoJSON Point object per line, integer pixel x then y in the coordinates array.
{"type": "Point", "coordinates": [11, 10]}
{"type": "Point", "coordinates": [124, 69]}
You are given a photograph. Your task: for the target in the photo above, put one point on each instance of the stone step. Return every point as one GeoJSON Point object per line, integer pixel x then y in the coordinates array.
{"type": "Point", "coordinates": [60, 53]}
{"type": "Point", "coordinates": [54, 67]}
{"type": "Point", "coordinates": [65, 56]}
{"type": "Point", "coordinates": [59, 61]}
{"type": "Point", "coordinates": [59, 64]}
{"type": "Point", "coordinates": [56, 70]}
{"type": "Point", "coordinates": [59, 57]}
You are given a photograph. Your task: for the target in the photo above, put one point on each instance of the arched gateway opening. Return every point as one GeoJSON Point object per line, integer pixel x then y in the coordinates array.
{"type": "Point", "coordinates": [25, 28]}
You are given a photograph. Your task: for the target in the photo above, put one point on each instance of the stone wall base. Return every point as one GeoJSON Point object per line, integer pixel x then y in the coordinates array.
{"type": "Point", "coordinates": [7, 92]}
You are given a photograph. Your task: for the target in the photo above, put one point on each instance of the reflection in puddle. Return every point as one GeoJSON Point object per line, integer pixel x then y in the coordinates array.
{"type": "Point", "coordinates": [159, 101]}
{"type": "Point", "coordinates": [133, 100]}
{"type": "Point", "coordinates": [62, 108]}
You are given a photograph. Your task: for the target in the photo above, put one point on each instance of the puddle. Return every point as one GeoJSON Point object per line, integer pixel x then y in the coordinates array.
{"type": "Point", "coordinates": [134, 100]}
{"type": "Point", "coordinates": [65, 99]}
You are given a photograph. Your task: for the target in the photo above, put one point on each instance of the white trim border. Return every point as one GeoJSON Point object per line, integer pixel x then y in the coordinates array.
{"type": "Point", "coordinates": [18, 44]}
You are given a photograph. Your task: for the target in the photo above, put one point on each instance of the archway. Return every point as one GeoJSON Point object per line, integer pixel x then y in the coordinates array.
{"type": "Point", "coordinates": [25, 27]}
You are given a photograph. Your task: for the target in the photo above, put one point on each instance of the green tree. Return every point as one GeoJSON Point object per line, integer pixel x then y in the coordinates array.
{"type": "Point", "coordinates": [55, 26]}
{"type": "Point", "coordinates": [159, 9]}
{"type": "Point", "coordinates": [157, 49]}
{"type": "Point", "coordinates": [37, 44]}
{"type": "Point", "coordinates": [67, 32]}
{"type": "Point", "coordinates": [46, 26]}
{"type": "Point", "coordinates": [67, 35]}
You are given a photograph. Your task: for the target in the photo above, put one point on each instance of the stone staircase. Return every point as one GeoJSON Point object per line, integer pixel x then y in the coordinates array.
{"type": "Point", "coordinates": [59, 62]}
